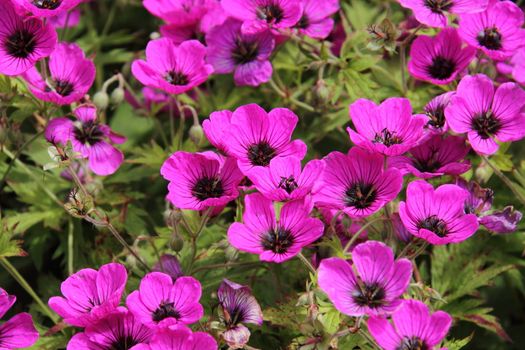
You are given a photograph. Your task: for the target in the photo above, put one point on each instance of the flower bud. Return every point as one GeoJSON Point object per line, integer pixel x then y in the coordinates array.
{"type": "Point", "coordinates": [176, 243]}
{"type": "Point", "coordinates": [117, 96]}
{"type": "Point", "coordinates": [101, 100]}
{"type": "Point", "coordinates": [196, 134]}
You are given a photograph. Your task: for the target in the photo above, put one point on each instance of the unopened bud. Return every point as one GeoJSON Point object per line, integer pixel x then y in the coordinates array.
{"type": "Point", "coordinates": [196, 134]}
{"type": "Point", "coordinates": [101, 100]}
{"type": "Point", "coordinates": [117, 96]}
{"type": "Point", "coordinates": [176, 243]}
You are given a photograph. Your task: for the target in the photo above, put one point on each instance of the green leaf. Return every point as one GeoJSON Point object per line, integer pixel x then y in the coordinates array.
{"type": "Point", "coordinates": [457, 344]}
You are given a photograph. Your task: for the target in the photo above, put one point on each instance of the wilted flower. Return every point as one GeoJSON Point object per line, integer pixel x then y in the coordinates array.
{"type": "Point", "coordinates": [179, 338]}
{"type": "Point", "coordinates": [433, 13]}
{"type": "Point", "coordinates": [170, 265]}
{"type": "Point", "coordinates": [435, 111]}
{"type": "Point", "coordinates": [502, 221]}
{"type": "Point", "coordinates": [19, 331]}
{"type": "Point", "coordinates": [316, 21]}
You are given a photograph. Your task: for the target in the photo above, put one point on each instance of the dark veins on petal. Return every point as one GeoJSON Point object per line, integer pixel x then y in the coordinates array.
{"type": "Point", "coordinates": [260, 154]}
{"type": "Point", "coordinates": [177, 78]}
{"type": "Point", "coordinates": [303, 23]}
{"type": "Point", "coordinates": [278, 240]}
{"type": "Point", "coordinates": [164, 311]}
{"type": "Point", "coordinates": [435, 224]}
{"type": "Point", "coordinates": [207, 187]}
{"type": "Point", "coordinates": [288, 184]}
{"type": "Point", "coordinates": [234, 316]}
{"type": "Point", "coordinates": [47, 4]}
{"type": "Point", "coordinates": [371, 295]}
{"type": "Point", "coordinates": [437, 116]}
{"type": "Point", "coordinates": [123, 342]}
{"type": "Point", "coordinates": [20, 44]}
{"type": "Point", "coordinates": [430, 164]}
{"type": "Point", "coordinates": [441, 68]}
{"type": "Point", "coordinates": [438, 6]}
{"type": "Point", "coordinates": [413, 343]}
{"type": "Point", "coordinates": [271, 13]}
{"type": "Point", "coordinates": [62, 87]}
{"type": "Point", "coordinates": [387, 138]}
{"type": "Point", "coordinates": [490, 38]}
{"type": "Point", "coordinates": [89, 133]}
{"type": "Point", "coordinates": [486, 124]}
{"type": "Point", "coordinates": [360, 195]}
{"type": "Point", "coordinates": [245, 52]}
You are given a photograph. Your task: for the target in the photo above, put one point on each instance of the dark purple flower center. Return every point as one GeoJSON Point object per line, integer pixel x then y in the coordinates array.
{"type": "Point", "coordinates": [371, 295]}
{"type": "Point", "coordinates": [47, 4]}
{"type": "Point", "coordinates": [88, 133]}
{"type": "Point", "coordinates": [439, 6]}
{"type": "Point", "coordinates": [441, 68]}
{"type": "Point", "coordinates": [278, 240]}
{"type": "Point", "coordinates": [61, 87]}
{"type": "Point", "coordinates": [288, 184]}
{"type": "Point", "coordinates": [437, 116]}
{"type": "Point", "coordinates": [413, 343]}
{"type": "Point", "coordinates": [360, 195]}
{"type": "Point", "coordinates": [20, 44]}
{"type": "Point", "coordinates": [164, 311]}
{"type": "Point", "coordinates": [486, 124]}
{"type": "Point", "coordinates": [260, 154]}
{"type": "Point", "coordinates": [234, 315]}
{"type": "Point", "coordinates": [303, 23]}
{"type": "Point", "coordinates": [207, 187]}
{"type": "Point", "coordinates": [387, 138]}
{"type": "Point", "coordinates": [490, 38]}
{"type": "Point", "coordinates": [123, 342]}
{"type": "Point", "coordinates": [177, 78]}
{"type": "Point", "coordinates": [434, 224]}
{"type": "Point", "coordinates": [430, 164]}
{"type": "Point", "coordinates": [245, 52]}
{"type": "Point", "coordinates": [271, 13]}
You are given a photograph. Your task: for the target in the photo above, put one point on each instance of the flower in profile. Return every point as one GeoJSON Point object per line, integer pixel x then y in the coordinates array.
{"type": "Point", "coordinates": [23, 41]}
{"type": "Point", "coordinates": [89, 294]}
{"type": "Point", "coordinates": [438, 156]}
{"type": "Point", "coordinates": [515, 66]}
{"type": "Point", "coordinates": [179, 338]}
{"type": "Point", "coordinates": [66, 19]}
{"type": "Point", "coordinates": [173, 69]}
{"type": "Point", "coordinates": [433, 13]}
{"type": "Point", "coordinates": [261, 15]}
{"type": "Point", "coordinates": [487, 115]}
{"type": "Point", "coordinates": [238, 307]}
{"type": "Point", "coordinates": [117, 330]}
{"type": "Point", "coordinates": [414, 327]}
{"type": "Point", "coordinates": [274, 240]}
{"type": "Point", "coordinates": [178, 12]}
{"type": "Point", "coordinates": [169, 264]}
{"type": "Point", "coordinates": [160, 301]}
{"type": "Point", "coordinates": [389, 128]}
{"type": "Point", "coordinates": [502, 221]}
{"type": "Point", "coordinates": [439, 59]}
{"type": "Point", "coordinates": [400, 230]}
{"type": "Point", "coordinates": [19, 331]}
{"type": "Point", "coordinates": [47, 8]}
{"type": "Point", "coordinates": [284, 180]}
{"type": "Point", "coordinates": [437, 216]}
{"type": "Point", "coordinates": [215, 128]}
{"type": "Point", "coordinates": [71, 76]}
{"type": "Point", "coordinates": [316, 21]}
{"type": "Point", "coordinates": [376, 286]}
{"type": "Point", "coordinates": [89, 138]}
{"type": "Point", "coordinates": [496, 31]}
{"type": "Point", "coordinates": [201, 180]}
{"type": "Point", "coordinates": [246, 55]}
{"type": "Point", "coordinates": [435, 111]}
{"type": "Point", "coordinates": [357, 183]}
{"type": "Point", "coordinates": [255, 137]}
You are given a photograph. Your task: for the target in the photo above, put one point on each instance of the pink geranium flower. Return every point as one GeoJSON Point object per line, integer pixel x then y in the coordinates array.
{"type": "Point", "coordinates": [515, 66]}
{"type": "Point", "coordinates": [414, 327]}
{"type": "Point", "coordinates": [71, 76]}
{"type": "Point", "coordinates": [486, 114]}
{"type": "Point", "coordinates": [160, 301]}
{"type": "Point", "coordinates": [316, 21]}
{"type": "Point", "coordinates": [438, 156]}
{"type": "Point", "coordinates": [439, 59]}
{"type": "Point", "coordinates": [255, 137]}
{"type": "Point", "coordinates": [47, 8]}
{"type": "Point", "coordinates": [284, 180]}
{"type": "Point", "coordinates": [389, 128]}
{"type": "Point", "coordinates": [179, 12]}
{"type": "Point", "coordinates": [179, 338]}
{"type": "Point", "coordinates": [274, 240]}
{"type": "Point", "coordinates": [496, 31]}
{"type": "Point", "coordinates": [66, 19]}
{"type": "Point", "coordinates": [260, 15]}
{"type": "Point", "coordinates": [246, 55]}
{"type": "Point", "coordinates": [216, 128]}
{"type": "Point", "coordinates": [435, 111]}
{"type": "Point", "coordinates": [357, 183]}
{"type": "Point", "coordinates": [89, 295]}
{"type": "Point", "coordinates": [89, 138]}
{"type": "Point", "coordinates": [174, 69]}
{"type": "Point", "coordinates": [437, 216]}
{"type": "Point", "coordinates": [201, 180]}
{"type": "Point", "coordinates": [371, 284]}
{"type": "Point", "coordinates": [24, 41]}
{"type": "Point", "coordinates": [433, 13]}
{"type": "Point", "coordinates": [19, 331]}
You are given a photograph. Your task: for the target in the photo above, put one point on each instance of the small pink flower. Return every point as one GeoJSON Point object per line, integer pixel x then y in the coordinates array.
{"type": "Point", "coordinates": [439, 59]}
{"type": "Point", "coordinates": [66, 19]}
{"type": "Point", "coordinates": [179, 338]}
{"type": "Point", "coordinates": [216, 128]}
{"type": "Point", "coordinates": [89, 138]}
{"type": "Point", "coordinates": [160, 301]}
{"type": "Point", "coordinates": [179, 12]}
{"type": "Point", "coordinates": [376, 286]}
{"type": "Point", "coordinates": [174, 69]}
{"type": "Point", "coordinates": [433, 13]}
{"type": "Point", "coordinates": [19, 331]}
{"type": "Point", "coordinates": [435, 111]}
{"type": "Point", "coordinates": [316, 21]}
{"type": "Point", "coordinates": [437, 216]}
{"type": "Point", "coordinates": [414, 327]}
{"type": "Point", "coordinates": [515, 66]}
{"type": "Point", "coordinates": [47, 8]}
{"type": "Point", "coordinates": [487, 114]}
{"type": "Point", "coordinates": [274, 240]}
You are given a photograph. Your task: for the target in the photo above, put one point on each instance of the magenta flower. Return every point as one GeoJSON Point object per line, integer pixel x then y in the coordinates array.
{"type": "Point", "coordinates": [255, 137]}
{"type": "Point", "coordinates": [170, 265]}
{"type": "Point", "coordinates": [174, 69]}
{"type": "Point", "coordinates": [47, 8]}
{"type": "Point", "coordinates": [439, 59]}
{"type": "Point", "coordinates": [181, 33]}
{"type": "Point", "coordinates": [274, 240]}
{"type": "Point", "coordinates": [238, 306]}
{"type": "Point", "coordinates": [487, 115]}
{"type": "Point", "coordinates": [389, 128]}
{"type": "Point", "coordinates": [179, 12]}
{"type": "Point", "coordinates": [496, 31]}
{"type": "Point", "coordinates": [216, 128]}
{"type": "Point", "coordinates": [414, 327]}
{"type": "Point", "coordinates": [24, 40]}
{"type": "Point", "coordinates": [247, 55]}
{"type": "Point", "coordinates": [19, 331]}
{"type": "Point", "coordinates": [89, 138]}
{"type": "Point", "coordinates": [160, 301]}
{"type": "Point", "coordinates": [117, 330]}
{"type": "Point", "coordinates": [179, 338]}
{"type": "Point", "coordinates": [375, 289]}
{"type": "Point", "coordinates": [316, 21]}
{"type": "Point", "coordinates": [89, 295]}
{"type": "Point", "coordinates": [433, 13]}
{"type": "Point", "coordinates": [284, 180]}
{"type": "Point", "coordinates": [515, 66]}
{"type": "Point", "coordinates": [357, 183]}
{"type": "Point", "coordinates": [502, 221]}
{"type": "Point", "coordinates": [438, 156]}
{"type": "Point", "coordinates": [71, 76]}
{"type": "Point", "coordinates": [259, 15]}
{"type": "Point", "coordinates": [201, 180]}
{"type": "Point", "coordinates": [66, 19]}
{"type": "Point", "coordinates": [437, 216]}
{"type": "Point", "coordinates": [435, 111]}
